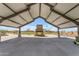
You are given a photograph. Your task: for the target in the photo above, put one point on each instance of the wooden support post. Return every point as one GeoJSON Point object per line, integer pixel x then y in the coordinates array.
{"type": "Point", "coordinates": [19, 34]}
{"type": "Point", "coordinates": [58, 33]}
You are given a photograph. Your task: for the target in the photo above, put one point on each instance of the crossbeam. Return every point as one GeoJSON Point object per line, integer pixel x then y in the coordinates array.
{"type": "Point", "coordinates": [63, 15]}
{"type": "Point", "coordinates": [17, 13]}
{"type": "Point", "coordinates": [66, 22]}
{"type": "Point", "coordinates": [66, 17]}
{"type": "Point", "coordinates": [67, 11]}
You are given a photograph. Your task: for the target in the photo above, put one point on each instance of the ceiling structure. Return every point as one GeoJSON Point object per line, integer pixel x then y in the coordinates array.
{"type": "Point", "coordinates": [61, 15]}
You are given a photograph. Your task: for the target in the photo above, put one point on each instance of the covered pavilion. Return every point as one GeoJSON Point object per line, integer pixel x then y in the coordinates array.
{"type": "Point", "coordinates": [60, 15]}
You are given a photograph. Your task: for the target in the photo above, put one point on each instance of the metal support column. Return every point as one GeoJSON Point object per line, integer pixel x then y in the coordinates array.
{"type": "Point", "coordinates": [78, 31]}
{"type": "Point", "coordinates": [19, 33]}
{"type": "Point", "coordinates": [58, 33]}
{"type": "Point", "coordinates": [0, 38]}
{"type": "Point", "coordinates": [77, 38]}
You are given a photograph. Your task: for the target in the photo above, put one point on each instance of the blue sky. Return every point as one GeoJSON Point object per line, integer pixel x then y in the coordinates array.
{"type": "Point", "coordinates": [39, 21]}
{"type": "Point", "coordinates": [32, 26]}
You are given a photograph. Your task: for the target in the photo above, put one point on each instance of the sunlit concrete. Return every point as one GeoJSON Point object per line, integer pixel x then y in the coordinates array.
{"type": "Point", "coordinates": [8, 37]}
{"type": "Point", "coordinates": [38, 47]}
{"type": "Point", "coordinates": [11, 36]}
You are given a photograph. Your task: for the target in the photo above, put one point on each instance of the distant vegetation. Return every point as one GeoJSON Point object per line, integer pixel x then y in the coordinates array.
{"type": "Point", "coordinates": [33, 32]}
{"type": "Point", "coordinates": [45, 32]}
{"type": "Point", "coordinates": [28, 32]}
{"type": "Point", "coordinates": [6, 31]}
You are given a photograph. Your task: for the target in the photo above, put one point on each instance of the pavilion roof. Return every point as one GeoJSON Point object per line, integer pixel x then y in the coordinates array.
{"type": "Point", "coordinates": [61, 15]}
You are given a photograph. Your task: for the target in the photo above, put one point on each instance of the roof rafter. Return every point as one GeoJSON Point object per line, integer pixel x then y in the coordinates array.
{"type": "Point", "coordinates": [14, 22]}
{"type": "Point", "coordinates": [31, 4]}
{"type": "Point", "coordinates": [19, 12]}
{"type": "Point", "coordinates": [1, 20]}
{"type": "Point", "coordinates": [49, 14]}
{"type": "Point", "coordinates": [66, 12]}
{"type": "Point", "coordinates": [39, 9]}
{"type": "Point", "coordinates": [66, 22]}
{"type": "Point", "coordinates": [77, 19]}
{"type": "Point", "coordinates": [72, 8]}
{"type": "Point", "coordinates": [22, 18]}
{"type": "Point", "coordinates": [56, 19]}
{"type": "Point", "coordinates": [8, 7]}
{"type": "Point", "coordinates": [13, 15]}
{"type": "Point", "coordinates": [13, 11]}
{"type": "Point", "coordinates": [27, 6]}
{"type": "Point", "coordinates": [68, 27]}
{"type": "Point", "coordinates": [11, 20]}
{"type": "Point", "coordinates": [63, 23]}
{"type": "Point", "coordinates": [1, 16]}
{"type": "Point", "coordinates": [66, 17]}
{"type": "Point", "coordinates": [51, 11]}
{"type": "Point", "coordinates": [8, 26]}
{"type": "Point", "coordinates": [49, 5]}
{"type": "Point", "coordinates": [30, 14]}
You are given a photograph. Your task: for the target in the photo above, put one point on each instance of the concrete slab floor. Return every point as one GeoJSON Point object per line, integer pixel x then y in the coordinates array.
{"type": "Point", "coordinates": [27, 46]}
